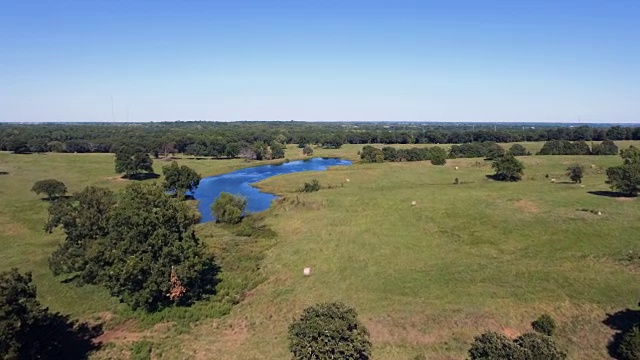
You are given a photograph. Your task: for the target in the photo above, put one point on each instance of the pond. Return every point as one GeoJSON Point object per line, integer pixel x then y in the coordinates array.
{"type": "Point", "coordinates": [239, 182]}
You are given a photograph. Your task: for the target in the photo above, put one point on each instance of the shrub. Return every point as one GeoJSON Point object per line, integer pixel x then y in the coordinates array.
{"type": "Point", "coordinates": [329, 331]}
{"type": "Point", "coordinates": [438, 155]}
{"type": "Point", "coordinates": [518, 150]}
{"type": "Point", "coordinates": [544, 324]}
{"type": "Point", "coordinates": [491, 345]}
{"type": "Point", "coordinates": [312, 186]}
{"type": "Point", "coordinates": [629, 348]}
{"type": "Point", "coordinates": [141, 350]}
{"type": "Point", "coordinates": [307, 150]}
{"type": "Point", "coordinates": [456, 181]}
{"type": "Point", "coordinates": [575, 172]}
{"type": "Point", "coordinates": [229, 208]}
{"type": "Point", "coordinates": [626, 177]}
{"type": "Point", "coordinates": [536, 346]}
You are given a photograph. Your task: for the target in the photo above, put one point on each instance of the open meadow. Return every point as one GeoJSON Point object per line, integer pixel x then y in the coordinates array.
{"type": "Point", "coordinates": [425, 279]}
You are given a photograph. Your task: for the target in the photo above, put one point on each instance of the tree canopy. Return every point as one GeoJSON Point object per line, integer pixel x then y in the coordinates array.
{"type": "Point", "coordinates": [575, 172]}
{"type": "Point", "coordinates": [30, 331]}
{"type": "Point", "coordinates": [142, 248]}
{"type": "Point", "coordinates": [508, 168]}
{"type": "Point", "coordinates": [625, 178]}
{"type": "Point", "coordinates": [180, 179]}
{"type": "Point", "coordinates": [329, 331]}
{"type": "Point", "coordinates": [51, 187]}
{"type": "Point", "coordinates": [229, 208]}
{"type": "Point", "coordinates": [132, 161]}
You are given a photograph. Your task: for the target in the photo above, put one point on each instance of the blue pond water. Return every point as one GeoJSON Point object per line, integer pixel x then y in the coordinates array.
{"type": "Point", "coordinates": [239, 182]}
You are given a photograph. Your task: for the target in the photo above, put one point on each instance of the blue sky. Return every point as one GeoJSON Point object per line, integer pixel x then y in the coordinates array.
{"type": "Point", "coordinates": [474, 60]}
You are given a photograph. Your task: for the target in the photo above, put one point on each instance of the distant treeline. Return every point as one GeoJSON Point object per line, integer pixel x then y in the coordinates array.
{"type": "Point", "coordinates": [487, 150]}
{"type": "Point", "coordinates": [216, 139]}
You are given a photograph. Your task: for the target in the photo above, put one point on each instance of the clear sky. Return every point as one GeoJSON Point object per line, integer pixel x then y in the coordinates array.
{"type": "Point", "coordinates": [446, 60]}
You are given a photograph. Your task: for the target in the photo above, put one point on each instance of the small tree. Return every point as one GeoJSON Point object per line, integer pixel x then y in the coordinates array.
{"type": "Point", "coordinates": [180, 179]}
{"type": "Point", "coordinates": [370, 154]}
{"type": "Point", "coordinates": [518, 150]}
{"type": "Point", "coordinates": [539, 346]}
{"type": "Point", "coordinates": [625, 178]}
{"type": "Point", "coordinates": [544, 324]}
{"type": "Point", "coordinates": [52, 187]}
{"type": "Point", "coordinates": [438, 155]}
{"type": "Point", "coordinates": [491, 345]}
{"type": "Point", "coordinates": [132, 162]}
{"type": "Point", "coordinates": [307, 150]}
{"type": "Point", "coordinates": [329, 331]}
{"type": "Point", "coordinates": [508, 168]}
{"type": "Point", "coordinates": [277, 150]}
{"type": "Point", "coordinates": [229, 208]}
{"type": "Point", "coordinates": [575, 172]}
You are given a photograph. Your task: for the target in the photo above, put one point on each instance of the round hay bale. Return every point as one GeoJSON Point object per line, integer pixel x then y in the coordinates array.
{"type": "Point", "coordinates": [599, 212]}
{"type": "Point", "coordinates": [307, 271]}
{"type": "Point", "coordinates": [456, 168]}
{"type": "Point", "coordinates": [347, 180]}
{"type": "Point", "coordinates": [553, 181]}
{"type": "Point", "coordinates": [413, 203]}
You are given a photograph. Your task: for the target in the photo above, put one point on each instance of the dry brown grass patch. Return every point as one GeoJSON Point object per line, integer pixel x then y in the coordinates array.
{"type": "Point", "coordinates": [527, 206]}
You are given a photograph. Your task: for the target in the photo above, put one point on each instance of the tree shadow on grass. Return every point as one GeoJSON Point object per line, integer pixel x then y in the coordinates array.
{"type": "Point", "coordinates": [141, 177]}
{"type": "Point", "coordinates": [4, 173]}
{"type": "Point", "coordinates": [621, 321]}
{"type": "Point", "coordinates": [57, 337]}
{"type": "Point", "coordinates": [495, 177]}
{"type": "Point", "coordinates": [610, 194]}
{"type": "Point", "coordinates": [61, 197]}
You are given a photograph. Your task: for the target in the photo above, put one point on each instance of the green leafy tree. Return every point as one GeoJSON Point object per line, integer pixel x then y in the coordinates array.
{"type": "Point", "coordinates": [132, 162]}
{"type": "Point", "coordinates": [229, 208]}
{"type": "Point", "coordinates": [508, 168]}
{"type": "Point", "coordinates": [607, 147]}
{"type": "Point", "coordinates": [494, 151]}
{"type": "Point", "coordinates": [438, 155]}
{"type": "Point", "coordinates": [575, 172]}
{"type": "Point", "coordinates": [30, 331]}
{"type": "Point", "coordinates": [625, 178]}
{"type": "Point", "coordinates": [277, 150]}
{"type": "Point", "coordinates": [84, 219]}
{"type": "Point", "coordinates": [307, 150]}
{"type": "Point", "coordinates": [51, 187]}
{"type": "Point", "coordinates": [151, 257]}
{"type": "Point", "coordinates": [370, 154]}
{"type": "Point", "coordinates": [390, 153]}
{"type": "Point", "coordinates": [494, 346]}
{"type": "Point", "coordinates": [329, 331]}
{"type": "Point", "coordinates": [180, 179]}
{"type": "Point", "coordinates": [518, 150]}
{"type": "Point", "coordinates": [537, 346]}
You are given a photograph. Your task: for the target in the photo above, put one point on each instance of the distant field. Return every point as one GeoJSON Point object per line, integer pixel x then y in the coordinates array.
{"type": "Point", "coordinates": [425, 279]}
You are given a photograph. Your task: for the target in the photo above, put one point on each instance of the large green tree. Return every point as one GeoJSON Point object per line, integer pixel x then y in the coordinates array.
{"type": "Point", "coordinates": [133, 161]}
{"type": "Point", "coordinates": [329, 331]}
{"type": "Point", "coordinates": [84, 219]}
{"type": "Point", "coordinates": [142, 247]}
{"type": "Point", "coordinates": [508, 168]}
{"type": "Point", "coordinates": [51, 187]}
{"type": "Point", "coordinates": [370, 154]}
{"type": "Point", "coordinates": [625, 178]}
{"type": "Point", "coordinates": [180, 179]}
{"type": "Point", "coordinates": [151, 258]}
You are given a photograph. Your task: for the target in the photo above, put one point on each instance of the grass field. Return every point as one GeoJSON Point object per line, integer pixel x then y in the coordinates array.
{"type": "Point", "coordinates": [425, 279]}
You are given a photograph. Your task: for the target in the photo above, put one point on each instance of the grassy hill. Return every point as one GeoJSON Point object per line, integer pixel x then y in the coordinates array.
{"type": "Point", "coordinates": [470, 257]}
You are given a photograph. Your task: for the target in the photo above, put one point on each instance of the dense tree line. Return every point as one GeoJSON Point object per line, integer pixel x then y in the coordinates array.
{"type": "Point", "coordinates": [216, 139]}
